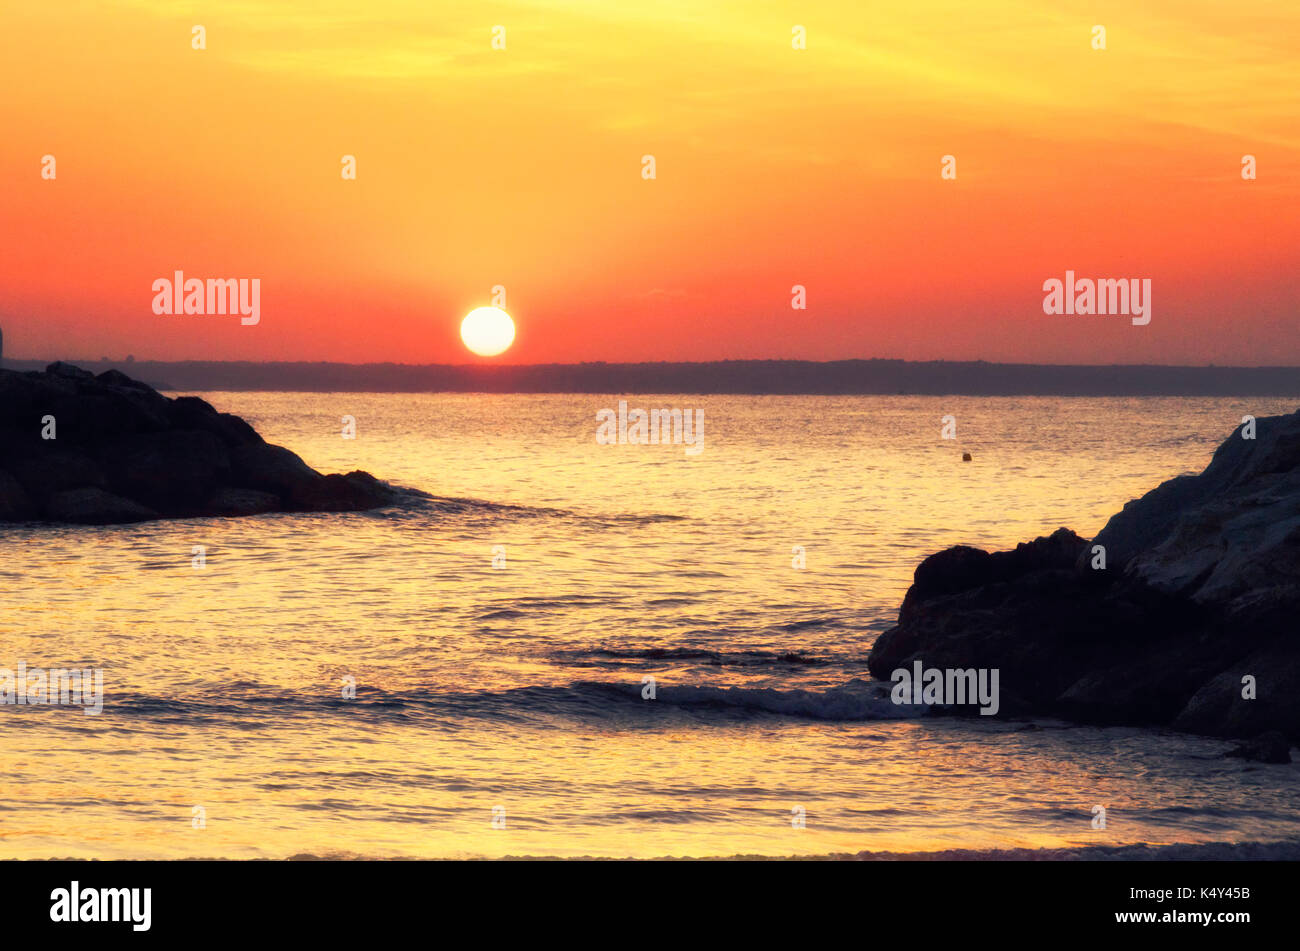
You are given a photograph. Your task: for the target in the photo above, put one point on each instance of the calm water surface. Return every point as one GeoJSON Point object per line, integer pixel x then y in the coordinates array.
{"type": "Point", "coordinates": [521, 688]}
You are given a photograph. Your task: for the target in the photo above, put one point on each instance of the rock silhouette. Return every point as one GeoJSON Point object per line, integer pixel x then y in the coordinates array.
{"type": "Point", "coordinates": [1194, 622]}
{"type": "Point", "coordinates": [123, 452]}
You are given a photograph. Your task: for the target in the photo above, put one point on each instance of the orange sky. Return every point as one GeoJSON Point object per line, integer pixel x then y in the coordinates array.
{"type": "Point", "coordinates": [522, 167]}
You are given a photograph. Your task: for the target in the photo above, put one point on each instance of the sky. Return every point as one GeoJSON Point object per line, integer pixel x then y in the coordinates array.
{"type": "Point", "coordinates": [522, 168]}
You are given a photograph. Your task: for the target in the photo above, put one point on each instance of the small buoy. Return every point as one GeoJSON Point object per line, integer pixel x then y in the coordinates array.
{"type": "Point", "coordinates": [965, 457]}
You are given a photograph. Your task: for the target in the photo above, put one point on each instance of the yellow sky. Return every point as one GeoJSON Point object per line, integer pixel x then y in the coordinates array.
{"type": "Point", "coordinates": [521, 166]}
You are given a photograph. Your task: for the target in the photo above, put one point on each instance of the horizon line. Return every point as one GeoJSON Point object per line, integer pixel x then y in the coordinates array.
{"type": "Point", "coordinates": [858, 377]}
{"type": "Point", "coordinates": [131, 360]}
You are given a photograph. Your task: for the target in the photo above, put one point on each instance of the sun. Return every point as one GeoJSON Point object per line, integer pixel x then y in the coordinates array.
{"type": "Point", "coordinates": [487, 331]}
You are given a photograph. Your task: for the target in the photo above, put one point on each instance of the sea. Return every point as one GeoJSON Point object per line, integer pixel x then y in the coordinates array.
{"type": "Point", "coordinates": [559, 647]}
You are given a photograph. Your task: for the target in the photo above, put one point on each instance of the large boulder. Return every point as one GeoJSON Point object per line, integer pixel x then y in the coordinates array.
{"type": "Point", "coordinates": [1201, 589]}
{"type": "Point", "coordinates": [15, 505]}
{"type": "Point", "coordinates": [95, 507]}
{"type": "Point", "coordinates": [174, 470]}
{"type": "Point", "coordinates": [53, 470]}
{"type": "Point", "coordinates": [123, 452]}
{"type": "Point", "coordinates": [68, 371]}
{"type": "Point", "coordinates": [273, 469]}
{"type": "Point", "coordinates": [191, 412]}
{"type": "Point", "coordinates": [1178, 535]}
{"type": "Point", "coordinates": [961, 568]}
{"type": "Point", "coordinates": [344, 493]}
{"type": "Point", "coordinates": [1257, 693]}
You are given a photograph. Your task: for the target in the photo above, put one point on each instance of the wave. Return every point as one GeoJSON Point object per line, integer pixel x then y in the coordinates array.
{"type": "Point", "coordinates": [445, 505]}
{"type": "Point", "coordinates": [632, 703]}
{"type": "Point", "coordinates": [700, 655]}
{"type": "Point", "coordinates": [856, 700]}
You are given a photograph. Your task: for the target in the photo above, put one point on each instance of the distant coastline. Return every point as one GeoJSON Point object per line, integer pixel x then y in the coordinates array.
{"type": "Point", "coordinates": [739, 377]}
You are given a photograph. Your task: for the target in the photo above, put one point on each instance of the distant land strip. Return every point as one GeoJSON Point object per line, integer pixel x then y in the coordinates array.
{"type": "Point", "coordinates": [741, 377]}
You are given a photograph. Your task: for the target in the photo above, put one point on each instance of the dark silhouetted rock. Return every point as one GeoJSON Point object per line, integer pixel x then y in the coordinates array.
{"type": "Point", "coordinates": [232, 502]}
{"type": "Point", "coordinates": [274, 469]}
{"type": "Point", "coordinates": [1221, 707]}
{"type": "Point", "coordinates": [190, 412]}
{"type": "Point", "coordinates": [15, 505]}
{"type": "Point", "coordinates": [344, 493]}
{"type": "Point", "coordinates": [44, 473]}
{"type": "Point", "coordinates": [68, 371]}
{"type": "Point", "coordinates": [118, 378]}
{"type": "Point", "coordinates": [1201, 589]}
{"type": "Point", "coordinates": [95, 507]}
{"type": "Point", "coordinates": [96, 415]}
{"type": "Point", "coordinates": [123, 452]}
{"type": "Point", "coordinates": [174, 470]}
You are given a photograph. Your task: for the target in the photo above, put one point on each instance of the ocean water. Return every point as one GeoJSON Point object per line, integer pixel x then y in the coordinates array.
{"type": "Point", "coordinates": [516, 692]}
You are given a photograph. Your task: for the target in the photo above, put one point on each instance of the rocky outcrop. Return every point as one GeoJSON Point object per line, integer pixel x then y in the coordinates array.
{"type": "Point", "coordinates": [122, 452]}
{"type": "Point", "coordinates": [1192, 622]}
